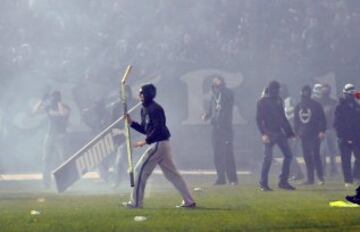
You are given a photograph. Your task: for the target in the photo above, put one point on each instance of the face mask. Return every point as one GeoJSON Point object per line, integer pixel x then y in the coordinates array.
{"type": "Point", "coordinates": [306, 95]}
{"type": "Point", "coordinates": [274, 92]}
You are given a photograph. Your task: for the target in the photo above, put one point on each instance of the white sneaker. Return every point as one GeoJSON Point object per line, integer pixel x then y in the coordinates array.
{"type": "Point", "coordinates": [129, 205]}
{"type": "Point", "coordinates": [321, 183]}
{"type": "Point", "coordinates": [348, 185]}
{"type": "Point", "coordinates": [189, 205]}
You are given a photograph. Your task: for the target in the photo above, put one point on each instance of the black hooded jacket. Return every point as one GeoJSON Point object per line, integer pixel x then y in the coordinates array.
{"type": "Point", "coordinates": [271, 118]}
{"type": "Point", "coordinates": [309, 118]}
{"type": "Point", "coordinates": [153, 123]}
{"type": "Point", "coordinates": [347, 120]}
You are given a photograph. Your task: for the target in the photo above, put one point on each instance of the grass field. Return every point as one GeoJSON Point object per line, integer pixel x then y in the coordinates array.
{"type": "Point", "coordinates": [227, 208]}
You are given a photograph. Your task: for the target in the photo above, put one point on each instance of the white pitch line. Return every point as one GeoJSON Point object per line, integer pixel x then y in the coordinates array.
{"type": "Point", "coordinates": [95, 175]}
{"type": "Point", "coordinates": [302, 161]}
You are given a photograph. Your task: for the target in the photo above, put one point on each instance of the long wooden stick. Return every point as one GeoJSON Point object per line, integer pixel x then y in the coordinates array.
{"type": "Point", "coordinates": [127, 126]}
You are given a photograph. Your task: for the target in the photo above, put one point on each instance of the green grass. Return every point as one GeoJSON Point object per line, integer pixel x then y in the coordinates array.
{"type": "Point", "coordinates": [240, 208]}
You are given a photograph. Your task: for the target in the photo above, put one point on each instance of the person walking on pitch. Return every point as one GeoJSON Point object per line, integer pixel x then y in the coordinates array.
{"type": "Point", "coordinates": [153, 125]}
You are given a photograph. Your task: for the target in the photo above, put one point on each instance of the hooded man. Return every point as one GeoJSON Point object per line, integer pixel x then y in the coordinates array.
{"type": "Point", "coordinates": [310, 126]}
{"type": "Point", "coordinates": [347, 126]}
{"type": "Point", "coordinates": [153, 126]}
{"type": "Point", "coordinates": [275, 129]}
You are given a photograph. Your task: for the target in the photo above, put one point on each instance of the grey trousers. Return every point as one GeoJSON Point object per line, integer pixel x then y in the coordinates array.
{"type": "Point", "coordinates": [158, 153]}
{"type": "Point", "coordinates": [53, 155]}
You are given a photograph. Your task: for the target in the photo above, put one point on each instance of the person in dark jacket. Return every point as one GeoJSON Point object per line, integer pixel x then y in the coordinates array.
{"type": "Point", "coordinates": [355, 198]}
{"type": "Point", "coordinates": [58, 114]}
{"type": "Point", "coordinates": [347, 126]}
{"type": "Point", "coordinates": [153, 126]}
{"type": "Point", "coordinates": [220, 113]}
{"type": "Point", "coordinates": [275, 129]}
{"type": "Point", "coordinates": [310, 126]}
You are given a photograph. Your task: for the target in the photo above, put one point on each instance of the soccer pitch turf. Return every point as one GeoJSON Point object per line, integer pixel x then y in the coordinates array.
{"type": "Point", "coordinates": [225, 208]}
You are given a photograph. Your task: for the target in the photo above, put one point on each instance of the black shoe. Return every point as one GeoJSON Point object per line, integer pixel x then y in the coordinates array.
{"type": "Point", "coordinates": [265, 188]}
{"type": "Point", "coordinates": [353, 199]}
{"type": "Point", "coordinates": [286, 186]}
{"type": "Point", "coordinates": [219, 182]}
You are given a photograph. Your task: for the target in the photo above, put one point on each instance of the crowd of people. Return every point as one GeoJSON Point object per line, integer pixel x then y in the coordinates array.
{"type": "Point", "coordinates": [65, 39]}
{"type": "Point", "coordinates": [315, 119]}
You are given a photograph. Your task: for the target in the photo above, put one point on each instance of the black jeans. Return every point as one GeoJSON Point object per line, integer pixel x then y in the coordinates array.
{"type": "Point", "coordinates": [222, 141]}
{"type": "Point", "coordinates": [346, 149]}
{"type": "Point", "coordinates": [283, 144]}
{"type": "Point", "coordinates": [311, 151]}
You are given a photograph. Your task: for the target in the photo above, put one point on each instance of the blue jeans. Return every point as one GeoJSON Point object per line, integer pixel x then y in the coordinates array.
{"type": "Point", "coordinates": [283, 144]}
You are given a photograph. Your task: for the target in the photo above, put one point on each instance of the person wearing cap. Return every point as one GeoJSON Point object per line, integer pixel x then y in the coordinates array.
{"type": "Point", "coordinates": [220, 114]}
{"type": "Point", "coordinates": [347, 126]}
{"type": "Point", "coordinates": [328, 148]}
{"type": "Point", "coordinates": [153, 126]}
{"type": "Point", "coordinates": [310, 126]}
{"type": "Point", "coordinates": [275, 129]}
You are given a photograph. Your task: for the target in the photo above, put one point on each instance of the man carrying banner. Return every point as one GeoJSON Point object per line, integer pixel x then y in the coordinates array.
{"type": "Point", "coordinates": [153, 125]}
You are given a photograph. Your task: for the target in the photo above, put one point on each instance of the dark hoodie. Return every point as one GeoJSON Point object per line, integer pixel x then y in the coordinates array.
{"type": "Point", "coordinates": [153, 120]}
{"type": "Point", "coordinates": [270, 114]}
{"type": "Point", "coordinates": [347, 119]}
{"type": "Point", "coordinates": [309, 117]}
